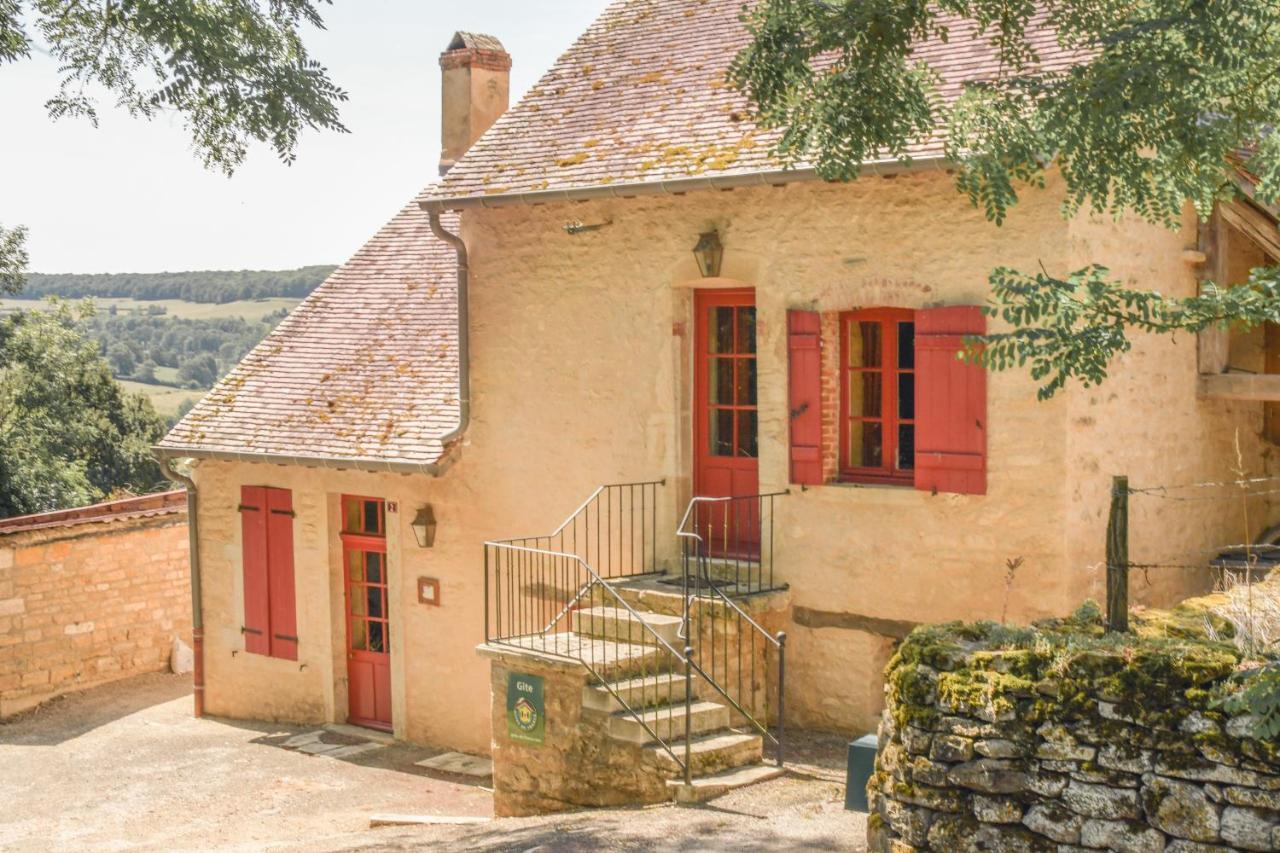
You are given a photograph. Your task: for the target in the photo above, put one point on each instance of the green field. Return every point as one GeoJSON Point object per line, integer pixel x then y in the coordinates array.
{"type": "Point", "coordinates": [165, 399]}
{"type": "Point", "coordinates": [254, 309]}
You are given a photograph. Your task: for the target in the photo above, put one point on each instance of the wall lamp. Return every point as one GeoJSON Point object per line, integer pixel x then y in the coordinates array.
{"type": "Point", "coordinates": [424, 527]}
{"type": "Point", "coordinates": [709, 253]}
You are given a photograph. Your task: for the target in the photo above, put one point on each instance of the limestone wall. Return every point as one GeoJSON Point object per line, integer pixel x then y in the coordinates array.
{"type": "Point", "coordinates": [1026, 740]}
{"type": "Point", "coordinates": [90, 596]}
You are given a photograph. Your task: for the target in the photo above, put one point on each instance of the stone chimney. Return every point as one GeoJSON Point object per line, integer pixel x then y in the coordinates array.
{"type": "Point", "coordinates": [476, 90]}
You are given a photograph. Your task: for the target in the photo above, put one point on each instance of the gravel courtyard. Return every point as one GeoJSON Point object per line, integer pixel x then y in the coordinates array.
{"type": "Point", "coordinates": [127, 767]}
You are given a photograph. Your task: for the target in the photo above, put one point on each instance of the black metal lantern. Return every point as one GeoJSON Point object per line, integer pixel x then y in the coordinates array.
{"type": "Point", "coordinates": [709, 252]}
{"type": "Point", "coordinates": [424, 527]}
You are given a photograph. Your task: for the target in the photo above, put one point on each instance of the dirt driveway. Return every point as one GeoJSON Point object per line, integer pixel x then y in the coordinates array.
{"type": "Point", "coordinates": [127, 767]}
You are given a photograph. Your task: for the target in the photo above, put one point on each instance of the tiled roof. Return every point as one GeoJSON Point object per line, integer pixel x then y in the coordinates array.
{"type": "Point", "coordinates": [641, 97]}
{"type": "Point", "coordinates": [144, 506]}
{"type": "Point", "coordinates": [364, 370]}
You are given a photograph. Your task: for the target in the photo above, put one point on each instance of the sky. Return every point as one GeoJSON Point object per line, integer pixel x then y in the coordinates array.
{"type": "Point", "coordinates": [131, 195]}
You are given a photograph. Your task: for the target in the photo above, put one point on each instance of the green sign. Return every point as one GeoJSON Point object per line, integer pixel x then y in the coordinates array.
{"type": "Point", "coordinates": [526, 718]}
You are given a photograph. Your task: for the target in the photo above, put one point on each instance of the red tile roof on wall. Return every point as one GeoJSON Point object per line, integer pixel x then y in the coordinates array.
{"type": "Point", "coordinates": [143, 506]}
{"type": "Point", "coordinates": [364, 370]}
{"type": "Point", "coordinates": [641, 97]}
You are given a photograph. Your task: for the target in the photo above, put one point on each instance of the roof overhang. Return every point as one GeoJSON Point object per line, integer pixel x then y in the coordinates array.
{"type": "Point", "coordinates": [677, 186]}
{"type": "Point", "coordinates": [335, 463]}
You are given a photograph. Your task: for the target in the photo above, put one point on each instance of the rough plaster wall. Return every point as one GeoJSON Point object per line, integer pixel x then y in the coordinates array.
{"type": "Point", "coordinates": [1146, 422]}
{"type": "Point", "coordinates": [581, 374]}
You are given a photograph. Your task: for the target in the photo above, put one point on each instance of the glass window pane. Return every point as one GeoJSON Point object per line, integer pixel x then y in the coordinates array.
{"type": "Point", "coordinates": [374, 595]}
{"type": "Point", "coordinates": [720, 381]}
{"type": "Point", "coordinates": [906, 447]}
{"type": "Point", "coordinates": [373, 561]}
{"type": "Point", "coordinates": [372, 516]}
{"type": "Point", "coordinates": [721, 432]}
{"type": "Point", "coordinates": [355, 565]}
{"type": "Point", "coordinates": [351, 515]}
{"type": "Point", "coordinates": [864, 344]}
{"type": "Point", "coordinates": [907, 345]}
{"type": "Point", "coordinates": [747, 439]}
{"type": "Point", "coordinates": [907, 396]}
{"type": "Point", "coordinates": [720, 337]}
{"type": "Point", "coordinates": [866, 444]}
{"type": "Point", "coordinates": [746, 382]}
{"type": "Point", "coordinates": [746, 331]}
{"type": "Point", "coordinates": [357, 599]}
{"type": "Point", "coordinates": [376, 639]}
{"type": "Point", "coordinates": [866, 394]}
{"type": "Point", "coordinates": [359, 639]}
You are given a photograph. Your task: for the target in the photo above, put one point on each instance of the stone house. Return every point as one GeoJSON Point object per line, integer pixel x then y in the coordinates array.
{"type": "Point", "coordinates": [538, 323]}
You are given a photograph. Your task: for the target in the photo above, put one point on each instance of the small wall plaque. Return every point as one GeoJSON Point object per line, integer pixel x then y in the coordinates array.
{"type": "Point", "coordinates": [429, 591]}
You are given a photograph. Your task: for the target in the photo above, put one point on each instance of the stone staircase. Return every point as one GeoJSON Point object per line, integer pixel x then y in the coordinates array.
{"type": "Point", "coordinates": [644, 674]}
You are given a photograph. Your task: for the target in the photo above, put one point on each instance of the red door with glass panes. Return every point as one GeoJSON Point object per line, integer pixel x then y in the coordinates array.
{"type": "Point", "coordinates": [364, 555]}
{"type": "Point", "coordinates": [726, 421]}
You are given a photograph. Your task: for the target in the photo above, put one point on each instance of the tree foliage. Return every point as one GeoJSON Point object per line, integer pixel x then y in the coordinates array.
{"type": "Point", "coordinates": [234, 71]}
{"type": "Point", "coordinates": [1159, 105]}
{"type": "Point", "coordinates": [69, 435]}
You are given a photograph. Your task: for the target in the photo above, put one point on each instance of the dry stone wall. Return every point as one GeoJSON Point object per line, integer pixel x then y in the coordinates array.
{"type": "Point", "coordinates": [91, 595]}
{"type": "Point", "coordinates": [1060, 738]}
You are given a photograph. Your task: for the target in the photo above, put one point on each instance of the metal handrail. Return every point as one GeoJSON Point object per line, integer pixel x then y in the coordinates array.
{"type": "Point", "coordinates": [601, 583]}
{"type": "Point", "coordinates": [694, 540]}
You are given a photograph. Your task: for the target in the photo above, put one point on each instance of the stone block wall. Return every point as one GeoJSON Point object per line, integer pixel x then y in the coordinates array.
{"type": "Point", "coordinates": [91, 595]}
{"type": "Point", "coordinates": [1058, 737]}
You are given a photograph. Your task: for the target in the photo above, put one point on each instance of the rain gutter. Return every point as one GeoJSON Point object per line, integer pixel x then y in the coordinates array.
{"type": "Point", "coordinates": [777, 177]}
{"type": "Point", "coordinates": [193, 544]}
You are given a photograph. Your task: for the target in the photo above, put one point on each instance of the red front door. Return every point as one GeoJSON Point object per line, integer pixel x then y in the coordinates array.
{"type": "Point", "coordinates": [364, 548]}
{"type": "Point", "coordinates": [726, 429]}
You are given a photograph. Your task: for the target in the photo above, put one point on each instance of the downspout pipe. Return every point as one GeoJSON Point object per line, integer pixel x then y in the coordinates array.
{"type": "Point", "coordinates": [193, 540]}
{"type": "Point", "coordinates": [464, 328]}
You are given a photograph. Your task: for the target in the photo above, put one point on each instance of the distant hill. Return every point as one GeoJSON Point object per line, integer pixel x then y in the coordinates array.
{"type": "Point", "coordinates": [218, 286]}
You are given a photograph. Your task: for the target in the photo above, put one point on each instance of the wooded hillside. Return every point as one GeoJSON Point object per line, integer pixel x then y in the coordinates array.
{"type": "Point", "coordinates": [202, 286]}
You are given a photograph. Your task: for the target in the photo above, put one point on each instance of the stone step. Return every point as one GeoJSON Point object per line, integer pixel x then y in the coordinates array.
{"type": "Point", "coordinates": [611, 661]}
{"type": "Point", "coordinates": [668, 722]}
{"type": "Point", "coordinates": [641, 692]}
{"type": "Point", "coordinates": [708, 787]}
{"type": "Point", "coordinates": [710, 753]}
{"type": "Point", "coordinates": [621, 625]}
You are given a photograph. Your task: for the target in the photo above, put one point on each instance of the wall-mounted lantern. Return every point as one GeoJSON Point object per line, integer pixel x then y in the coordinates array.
{"type": "Point", "coordinates": [709, 252]}
{"type": "Point", "coordinates": [424, 527]}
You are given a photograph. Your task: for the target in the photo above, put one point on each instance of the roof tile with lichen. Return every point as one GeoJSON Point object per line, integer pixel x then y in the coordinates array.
{"type": "Point", "coordinates": [642, 97]}
{"type": "Point", "coordinates": [365, 369]}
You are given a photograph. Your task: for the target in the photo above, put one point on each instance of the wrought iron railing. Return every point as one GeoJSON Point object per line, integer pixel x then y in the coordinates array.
{"type": "Point", "coordinates": [553, 595]}
{"type": "Point", "coordinates": [727, 552]}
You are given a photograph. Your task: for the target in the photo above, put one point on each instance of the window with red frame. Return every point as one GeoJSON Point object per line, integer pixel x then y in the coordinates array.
{"type": "Point", "coordinates": [878, 396]}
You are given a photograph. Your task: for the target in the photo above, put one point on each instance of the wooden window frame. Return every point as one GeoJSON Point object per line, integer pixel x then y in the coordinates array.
{"type": "Point", "coordinates": [885, 474]}
{"type": "Point", "coordinates": [366, 543]}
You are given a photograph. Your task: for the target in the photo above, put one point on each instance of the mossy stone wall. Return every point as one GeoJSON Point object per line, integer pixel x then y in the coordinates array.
{"type": "Point", "coordinates": [1059, 735]}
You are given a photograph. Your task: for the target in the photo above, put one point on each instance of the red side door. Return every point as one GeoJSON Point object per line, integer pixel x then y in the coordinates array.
{"type": "Point", "coordinates": [726, 420]}
{"type": "Point", "coordinates": [364, 548]}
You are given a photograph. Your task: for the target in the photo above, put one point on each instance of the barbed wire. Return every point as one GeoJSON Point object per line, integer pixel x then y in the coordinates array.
{"type": "Point", "coordinates": [1156, 493]}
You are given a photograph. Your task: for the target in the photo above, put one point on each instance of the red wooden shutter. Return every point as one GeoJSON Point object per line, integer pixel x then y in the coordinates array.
{"type": "Point", "coordinates": [253, 526]}
{"type": "Point", "coordinates": [804, 349]}
{"type": "Point", "coordinates": [951, 403]}
{"type": "Point", "coordinates": [284, 617]}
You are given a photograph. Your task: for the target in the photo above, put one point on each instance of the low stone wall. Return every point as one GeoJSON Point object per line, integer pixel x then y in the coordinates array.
{"type": "Point", "coordinates": [91, 595]}
{"type": "Point", "coordinates": [1027, 739]}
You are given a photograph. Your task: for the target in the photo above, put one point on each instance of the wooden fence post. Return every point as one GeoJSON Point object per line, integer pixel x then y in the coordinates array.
{"type": "Point", "coordinates": [1118, 557]}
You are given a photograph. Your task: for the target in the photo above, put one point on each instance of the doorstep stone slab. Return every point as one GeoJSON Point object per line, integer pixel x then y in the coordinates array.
{"type": "Point", "coordinates": [298, 741]}
{"type": "Point", "coordinates": [460, 763]}
{"type": "Point", "coordinates": [353, 750]}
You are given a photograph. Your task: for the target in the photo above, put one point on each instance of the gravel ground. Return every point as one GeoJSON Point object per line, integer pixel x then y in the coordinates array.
{"type": "Point", "coordinates": [127, 767]}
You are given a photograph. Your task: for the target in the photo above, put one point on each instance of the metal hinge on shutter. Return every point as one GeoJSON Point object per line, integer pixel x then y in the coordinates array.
{"type": "Point", "coordinates": [256, 632]}
{"type": "Point", "coordinates": [285, 637]}
{"type": "Point", "coordinates": [287, 512]}
{"type": "Point", "coordinates": [243, 507]}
